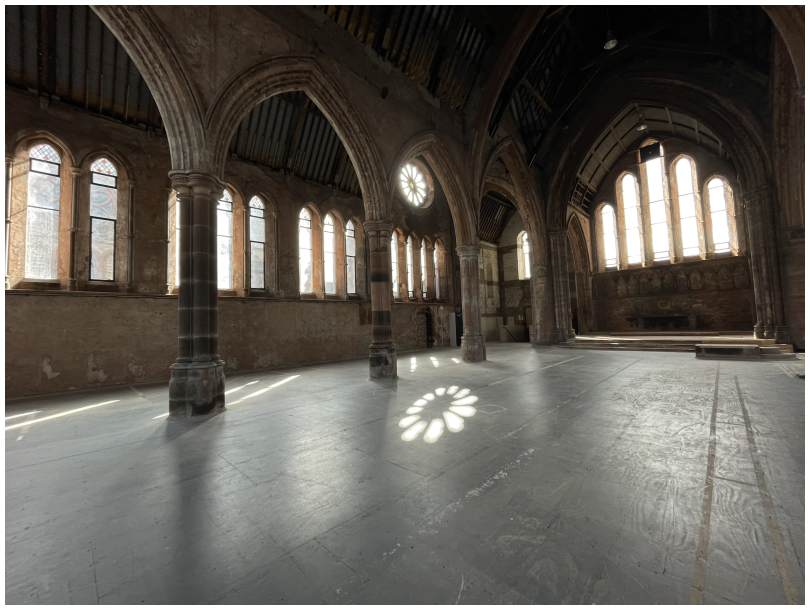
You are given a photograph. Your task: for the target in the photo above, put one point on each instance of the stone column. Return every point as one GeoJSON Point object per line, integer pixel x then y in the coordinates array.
{"type": "Point", "coordinates": [9, 169]}
{"type": "Point", "coordinates": [770, 323]}
{"type": "Point", "coordinates": [541, 329]}
{"type": "Point", "coordinates": [130, 233]}
{"type": "Point", "coordinates": [562, 292]}
{"type": "Point", "coordinates": [430, 270]}
{"type": "Point", "coordinates": [473, 347]}
{"type": "Point", "coordinates": [197, 382]}
{"type": "Point", "coordinates": [382, 359]}
{"type": "Point", "coordinates": [76, 173]}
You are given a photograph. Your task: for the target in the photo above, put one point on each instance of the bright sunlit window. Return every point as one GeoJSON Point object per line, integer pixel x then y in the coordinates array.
{"type": "Point", "coordinates": [423, 267]}
{"type": "Point", "coordinates": [224, 240]}
{"type": "Point", "coordinates": [329, 255]}
{"type": "Point", "coordinates": [305, 252]}
{"type": "Point", "coordinates": [659, 225]}
{"type": "Point", "coordinates": [632, 229]}
{"type": "Point", "coordinates": [394, 277]}
{"type": "Point", "coordinates": [413, 183]}
{"type": "Point", "coordinates": [436, 272]}
{"type": "Point", "coordinates": [409, 262]}
{"type": "Point", "coordinates": [42, 224]}
{"type": "Point", "coordinates": [103, 212]}
{"type": "Point", "coordinates": [609, 236]}
{"type": "Point", "coordinates": [720, 217]}
{"type": "Point", "coordinates": [684, 176]}
{"type": "Point", "coordinates": [351, 263]}
{"type": "Point", "coordinates": [257, 237]}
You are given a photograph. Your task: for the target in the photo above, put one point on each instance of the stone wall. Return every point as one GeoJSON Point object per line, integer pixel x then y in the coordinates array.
{"type": "Point", "coordinates": [705, 295]}
{"type": "Point", "coordinates": [57, 342]}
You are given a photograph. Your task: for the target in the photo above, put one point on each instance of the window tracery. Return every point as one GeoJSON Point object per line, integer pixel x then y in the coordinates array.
{"type": "Point", "coordinates": [257, 236]}
{"type": "Point", "coordinates": [103, 216]}
{"type": "Point", "coordinates": [42, 222]}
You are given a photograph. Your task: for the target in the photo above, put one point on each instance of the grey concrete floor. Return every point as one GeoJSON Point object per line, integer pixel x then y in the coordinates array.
{"type": "Point", "coordinates": [578, 476]}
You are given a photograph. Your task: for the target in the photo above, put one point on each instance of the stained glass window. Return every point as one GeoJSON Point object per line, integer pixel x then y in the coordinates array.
{"type": "Point", "coordinates": [721, 236]}
{"type": "Point", "coordinates": [103, 213]}
{"type": "Point", "coordinates": [257, 241]}
{"type": "Point", "coordinates": [42, 222]}
{"type": "Point", "coordinates": [351, 263]}
{"type": "Point", "coordinates": [394, 276]}
{"type": "Point", "coordinates": [686, 206]}
{"type": "Point", "coordinates": [329, 255]}
{"type": "Point", "coordinates": [224, 240]}
{"type": "Point", "coordinates": [305, 252]}
{"type": "Point", "coordinates": [609, 236]}
{"type": "Point", "coordinates": [632, 229]}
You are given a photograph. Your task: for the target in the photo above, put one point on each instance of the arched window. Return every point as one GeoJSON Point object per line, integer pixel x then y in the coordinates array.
{"type": "Point", "coordinates": [103, 213]}
{"type": "Point", "coordinates": [409, 261]}
{"type": "Point", "coordinates": [305, 252]}
{"type": "Point", "coordinates": [329, 254]}
{"type": "Point", "coordinates": [257, 241]}
{"type": "Point", "coordinates": [174, 238]}
{"type": "Point", "coordinates": [684, 179]}
{"type": "Point", "coordinates": [524, 256]}
{"type": "Point", "coordinates": [436, 272]}
{"type": "Point", "coordinates": [42, 224]}
{"type": "Point", "coordinates": [632, 228]}
{"type": "Point", "coordinates": [351, 262]}
{"type": "Point", "coordinates": [609, 236]}
{"type": "Point", "coordinates": [659, 224]}
{"type": "Point", "coordinates": [394, 276]}
{"type": "Point", "coordinates": [224, 240]}
{"type": "Point", "coordinates": [423, 263]}
{"type": "Point", "coordinates": [721, 206]}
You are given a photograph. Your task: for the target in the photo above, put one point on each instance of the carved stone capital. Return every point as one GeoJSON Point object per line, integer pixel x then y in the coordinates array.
{"type": "Point", "coordinates": [76, 171]}
{"type": "Point", "coordinates": [468, 251]}
{"type": "Point", "coordinates": [196, 183]}
{"type": "Point", "coordinates": [378, 228]}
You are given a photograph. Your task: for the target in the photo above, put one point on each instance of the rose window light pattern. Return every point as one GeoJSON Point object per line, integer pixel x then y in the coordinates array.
{"type": "Point", "coordinates": [413, 184]}
{"type": "Point", "coordinates": [444, 408]}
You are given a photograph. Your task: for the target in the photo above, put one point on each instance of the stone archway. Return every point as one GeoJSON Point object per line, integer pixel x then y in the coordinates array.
{"type": "Point", "coordinates": [465, 221]}
{"type": "Point", "coordinates": [743, 139]}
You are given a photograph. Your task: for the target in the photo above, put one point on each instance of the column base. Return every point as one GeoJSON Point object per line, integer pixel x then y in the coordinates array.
{"type": "Point", "coordinates": [382, 361]}
{"type": "Point", "coordinates": [196, 388]}
{"type": "Point", "coordinates": [781, 334]}
{"type": "Point", "coordinates": [473, 348]}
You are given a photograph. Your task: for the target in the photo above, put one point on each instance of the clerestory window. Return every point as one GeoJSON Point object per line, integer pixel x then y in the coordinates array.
{"type": "Point", "coordinates": [257, 236]}
{"type": "Point", "coordinates": [103, 213]}
{"type": "Point", "coordinates": [42, 223]}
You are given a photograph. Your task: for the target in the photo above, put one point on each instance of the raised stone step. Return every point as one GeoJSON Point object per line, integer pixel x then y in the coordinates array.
{"type": "Point", "coordinates": [737, 351]}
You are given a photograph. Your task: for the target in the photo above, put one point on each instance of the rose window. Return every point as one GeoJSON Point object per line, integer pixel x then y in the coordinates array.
{"type": "Point", "coordinates": [444, 408]}
{"type": "Point", "coordinates": [413, 184]}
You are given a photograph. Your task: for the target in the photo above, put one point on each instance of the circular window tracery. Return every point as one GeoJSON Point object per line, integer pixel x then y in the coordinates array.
{"type": "Point", "coordinates": [415, 184]}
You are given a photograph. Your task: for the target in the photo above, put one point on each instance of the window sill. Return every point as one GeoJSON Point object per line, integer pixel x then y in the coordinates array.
{"type": "Point", "coordinates": [101, 286]}
{"type": "Point", "coordinates": [26, 284]}
{"type": "Point", "coordinates": [226, 293]}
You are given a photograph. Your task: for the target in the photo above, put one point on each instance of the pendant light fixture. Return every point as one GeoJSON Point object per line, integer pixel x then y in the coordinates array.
{"type": "Point", "coordinates": [610, 39]}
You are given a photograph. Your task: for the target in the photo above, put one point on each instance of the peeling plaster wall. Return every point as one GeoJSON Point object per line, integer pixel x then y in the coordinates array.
{"type": "Point", "coordinates": [95, 340]}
